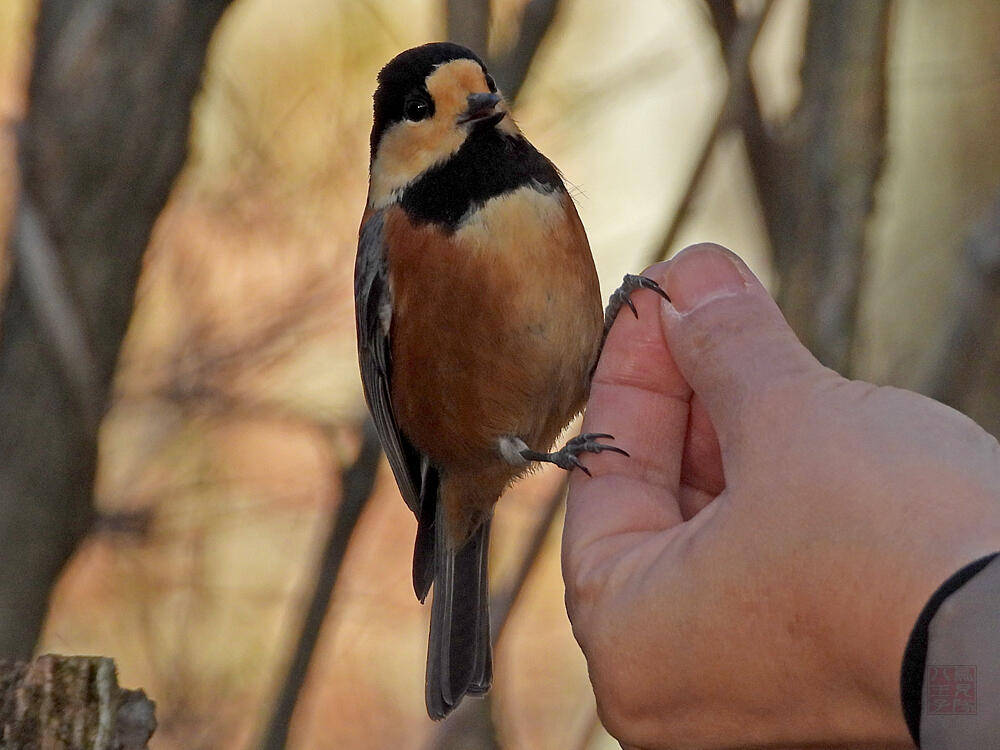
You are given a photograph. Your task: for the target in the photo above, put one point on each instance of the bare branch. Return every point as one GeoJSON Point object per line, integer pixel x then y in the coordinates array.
{"type": "Point", "coordinates": [511, 69]}
{"type": "Point", "coordinates": [468, 727]}
{"type": "Point", "coordinates": [469, 24]}
{"type": "Point", "coordinates": [738, 73]}
{"type": "Point", "coordinates": [356, 487]}
{"type": "Point", "coordinates": [503, 603]}
{"type": "Point", "coordinates": [764, 155]}
{"type": "Point", "coordinates": [724, 19]}
{"type": "Point", "coordinates": [58, 314]}
{"type": "Point", "coordinates": [835, 143]}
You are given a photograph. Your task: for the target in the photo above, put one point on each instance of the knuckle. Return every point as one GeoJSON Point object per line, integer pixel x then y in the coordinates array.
{"type": "Point", "coordinates": [619, 707]}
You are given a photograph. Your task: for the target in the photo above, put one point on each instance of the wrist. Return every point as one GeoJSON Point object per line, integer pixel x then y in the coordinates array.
{"type": "Point", "coordinates": [954, 622]}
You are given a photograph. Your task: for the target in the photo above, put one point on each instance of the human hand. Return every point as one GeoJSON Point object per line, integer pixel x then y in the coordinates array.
{"type": "Point", "coordinates": [750, 576]}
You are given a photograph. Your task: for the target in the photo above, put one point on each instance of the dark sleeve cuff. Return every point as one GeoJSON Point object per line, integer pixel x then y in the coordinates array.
{"type": "Point", "coordinates": [915, 656]}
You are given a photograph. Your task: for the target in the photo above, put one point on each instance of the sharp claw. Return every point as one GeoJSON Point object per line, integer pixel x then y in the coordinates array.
{"type": "Point", "coordinates": [568, 458]}
{"type": "Point", "coordinates": [644, 282]}
{"type": "Point", "coordinates": [614, 449]}
{"type": "Point", "coordinates": [654, 287]}
{"type": "Point", "coordinates": [623, 296]}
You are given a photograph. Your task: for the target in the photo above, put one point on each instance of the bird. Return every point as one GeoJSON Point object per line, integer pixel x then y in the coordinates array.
{"type": "Point", "coordinates": [479, 322]}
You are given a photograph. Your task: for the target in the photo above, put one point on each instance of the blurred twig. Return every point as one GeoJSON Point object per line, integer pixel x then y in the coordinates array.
{"type": "Point", "coordinates": [764, 157]}
{"type": "Point", "coordinates": [468, 24]}
{"type": "Point", "coordinates": [133, 525]}
{"type": "Point", "coordinates": [738, 85]}
{"type": "Point", "coordinates": [52, 302]}
{"type": "Point", "coordinates": [468, 727]}
{"type": "Point", "coordinates": [356, 487]}
{"type": "Point", "coordinates": [503, 603]}
{"type": "Point", "coordinates": [268, 342]}
{"type": "Point", "coordinates": [511, 68]}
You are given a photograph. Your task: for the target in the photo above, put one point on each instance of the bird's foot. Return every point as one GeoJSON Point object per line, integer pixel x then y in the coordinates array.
{"type": "Point", "coordinates": [621, 297]}
{"type": "Point", "coordinates": [568, 456]}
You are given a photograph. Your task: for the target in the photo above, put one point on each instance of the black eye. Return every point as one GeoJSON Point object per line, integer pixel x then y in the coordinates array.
{"type": "Point", "coordinates": [491, 84]}
{"type": "Point", "coordinates": [416, 108]}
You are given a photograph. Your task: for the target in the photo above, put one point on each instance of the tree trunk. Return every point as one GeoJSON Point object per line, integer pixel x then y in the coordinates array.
{"type": "Point", "coordinates": [835, 144]}
{"type": "Point", "coordinates": [105, 135]}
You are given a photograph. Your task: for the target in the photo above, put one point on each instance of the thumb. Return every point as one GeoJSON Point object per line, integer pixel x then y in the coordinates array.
{"type": "Point", "coordinates": [728, 337]}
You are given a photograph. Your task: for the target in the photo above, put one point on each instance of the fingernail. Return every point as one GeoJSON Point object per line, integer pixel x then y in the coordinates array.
{"type": "Point", "coordinates": [699, 276]}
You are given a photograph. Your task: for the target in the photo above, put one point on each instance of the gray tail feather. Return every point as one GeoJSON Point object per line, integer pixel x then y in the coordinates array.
{"type": "Point", "coordinates": [423, 547]}
{"type": "Point", "coordinates": [459, 656]}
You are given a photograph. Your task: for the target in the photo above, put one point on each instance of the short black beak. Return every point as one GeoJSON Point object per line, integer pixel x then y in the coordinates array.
{"type": "Point", "coordinates": [481, 106]}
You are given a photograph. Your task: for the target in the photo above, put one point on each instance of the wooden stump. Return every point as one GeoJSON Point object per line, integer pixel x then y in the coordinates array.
{"type": "Point", "coordinates": [71, 703]}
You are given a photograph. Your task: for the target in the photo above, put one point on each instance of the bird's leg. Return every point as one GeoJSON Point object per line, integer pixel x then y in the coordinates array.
{"type": "Point", "coordinates": [622, 297]}
{"type": "Point", "coordinates": [517, 452]}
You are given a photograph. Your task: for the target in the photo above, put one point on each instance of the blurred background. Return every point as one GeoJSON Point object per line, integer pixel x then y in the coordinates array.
{"type": "Point", "coordinates": [848, 150]}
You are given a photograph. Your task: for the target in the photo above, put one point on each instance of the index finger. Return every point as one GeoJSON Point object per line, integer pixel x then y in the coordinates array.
{"type": "Point", "coordinates": [639, 396]}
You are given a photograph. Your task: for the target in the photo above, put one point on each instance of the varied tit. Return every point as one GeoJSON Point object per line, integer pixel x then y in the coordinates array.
{"type": "Point", "coordinates": [479, 324]}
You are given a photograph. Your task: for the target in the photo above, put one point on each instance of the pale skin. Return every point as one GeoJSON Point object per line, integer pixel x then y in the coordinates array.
{"type": "Point", "coordinates": [750, 576]}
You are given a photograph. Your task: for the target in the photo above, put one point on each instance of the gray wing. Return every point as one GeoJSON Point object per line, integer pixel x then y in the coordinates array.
{"type": "Point", "coordinates": [373, 311]}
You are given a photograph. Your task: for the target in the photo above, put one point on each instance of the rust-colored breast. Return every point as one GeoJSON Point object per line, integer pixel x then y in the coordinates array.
{"type": "Point", "coordinates": [495, 328]}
